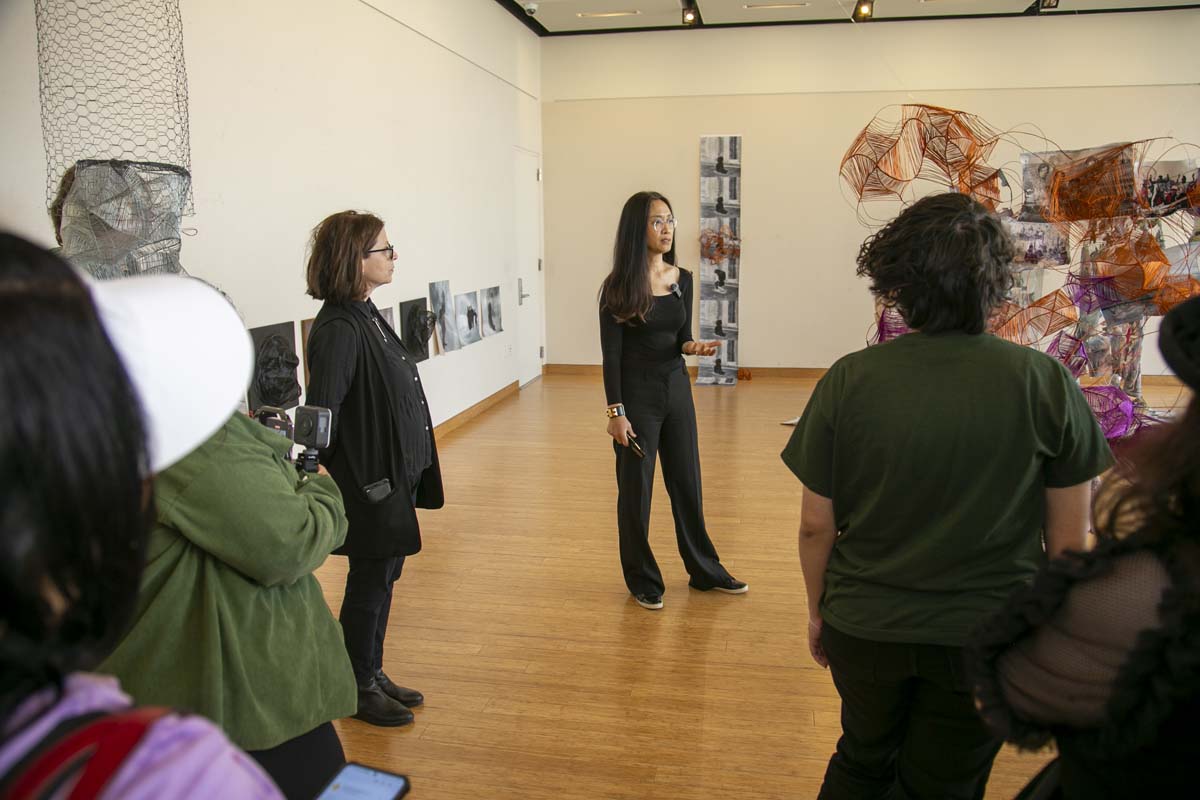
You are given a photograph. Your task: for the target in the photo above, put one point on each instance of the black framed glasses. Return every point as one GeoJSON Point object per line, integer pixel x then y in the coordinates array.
{"type": "Point", "coordinates": [390, 250]}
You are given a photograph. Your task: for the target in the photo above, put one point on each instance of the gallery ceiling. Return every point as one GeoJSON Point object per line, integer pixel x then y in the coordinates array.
{"type": "Point", "coordinates": [574, 17]}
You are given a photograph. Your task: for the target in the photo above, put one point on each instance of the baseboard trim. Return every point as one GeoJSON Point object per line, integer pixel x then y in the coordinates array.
{"type": "Point", "coordinates": [463, 417]}
{"type": "Point", "coordinates": [810, 373]}
{"type": "Point", "coordinates": [755, 372]}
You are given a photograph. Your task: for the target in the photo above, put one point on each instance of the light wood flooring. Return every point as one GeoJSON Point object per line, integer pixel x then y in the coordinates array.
{"type": "Point", "coordinates": [542, 677]}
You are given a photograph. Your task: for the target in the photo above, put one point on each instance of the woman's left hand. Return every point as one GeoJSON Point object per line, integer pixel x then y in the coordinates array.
{"type": "Point", "coordinates": [814, 641]}
{"type": "Point", "coordinates": [702, 348]}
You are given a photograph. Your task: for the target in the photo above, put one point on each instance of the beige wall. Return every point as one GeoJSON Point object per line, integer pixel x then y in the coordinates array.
{"type": "Point", "coordinates": [625, 112]}
{"type": "Point", "coordinates": [299, 108]}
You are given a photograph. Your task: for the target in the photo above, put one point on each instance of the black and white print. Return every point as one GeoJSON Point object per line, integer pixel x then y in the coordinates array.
{"type": "Point", "coordinates": [490, 313]}
{"type": "Point", "coordinates": [720, 269]}
{"type": "Point", "coordinates": [466, 317]}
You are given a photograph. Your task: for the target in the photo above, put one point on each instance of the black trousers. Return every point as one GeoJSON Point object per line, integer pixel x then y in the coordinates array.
{"type": "Point", "coordinates": [909, 726]}
{"type": "Point", "coordinates": [365, 610]}
{"type": "Point", "coordinates": [658, 403]}
{"type": "Point", "coordinates": [302, 766]}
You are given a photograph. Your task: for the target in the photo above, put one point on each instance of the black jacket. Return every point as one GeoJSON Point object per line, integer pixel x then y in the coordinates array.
{"type": "Point", "coordinates": [350, 374]}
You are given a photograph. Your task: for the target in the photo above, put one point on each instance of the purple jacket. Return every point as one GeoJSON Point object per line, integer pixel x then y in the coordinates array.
{"type": "Point", "coordinates": [185, 757]}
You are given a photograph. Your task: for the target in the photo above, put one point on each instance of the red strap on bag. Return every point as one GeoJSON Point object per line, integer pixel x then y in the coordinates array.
{"type": "Point", "coordinates": [95, 751]}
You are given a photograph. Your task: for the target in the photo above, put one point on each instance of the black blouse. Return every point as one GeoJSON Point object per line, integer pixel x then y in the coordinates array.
{"type": "Point", "coordinates": [668, 327]}
{"type": "Point", "coordinates": [414, 434]}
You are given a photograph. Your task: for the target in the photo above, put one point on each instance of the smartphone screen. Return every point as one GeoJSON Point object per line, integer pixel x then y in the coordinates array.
{"type": "Point", "coordinates": [356, 782]}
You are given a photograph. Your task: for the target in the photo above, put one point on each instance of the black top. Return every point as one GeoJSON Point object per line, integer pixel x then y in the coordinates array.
{"type": "Point", "coordinates": [361, 371]}
{"type": "Point", "coordinates": [668, 327]}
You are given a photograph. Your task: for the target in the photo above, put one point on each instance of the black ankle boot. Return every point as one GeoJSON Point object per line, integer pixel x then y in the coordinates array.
{"type": "Point", "coordinates": [408, 697]}
{"type": "Point", "coordinates": [376, 708]}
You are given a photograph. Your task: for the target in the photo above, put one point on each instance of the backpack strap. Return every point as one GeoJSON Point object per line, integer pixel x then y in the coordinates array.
{"type": "Point", "coordinates": [87, 750]}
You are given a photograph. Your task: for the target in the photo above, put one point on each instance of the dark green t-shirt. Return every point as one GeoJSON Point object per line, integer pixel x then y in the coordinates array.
{"type": "Point", "coordinates": [937, 451]}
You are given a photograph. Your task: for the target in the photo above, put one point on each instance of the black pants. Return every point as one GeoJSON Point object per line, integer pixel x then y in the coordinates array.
{"type": "Point", "coordinates": [909, 727]}
{"type": "Point", "coordinates": [302, 766]}
{"type": "Point", "coordinates": [658, 403]}
{"type": "Point", "coordinates": [365, 610]}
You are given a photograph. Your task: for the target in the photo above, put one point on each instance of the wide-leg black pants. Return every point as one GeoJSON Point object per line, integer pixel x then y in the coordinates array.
{"type": "Point", "coordinates": [658, 404]}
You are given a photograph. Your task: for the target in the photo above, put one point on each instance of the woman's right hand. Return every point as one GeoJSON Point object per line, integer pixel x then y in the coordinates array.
{"type": "Point", "coordinates": [620, 429]}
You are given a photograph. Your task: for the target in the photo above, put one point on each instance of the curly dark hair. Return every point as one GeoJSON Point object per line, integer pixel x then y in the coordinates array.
{"type": "Point", "coordinates": [945, 264]}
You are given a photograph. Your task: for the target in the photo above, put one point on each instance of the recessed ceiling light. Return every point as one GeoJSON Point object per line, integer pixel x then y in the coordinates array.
{"type": "Point", "coordinates": [767, 6]}
{"type": "Point", "coordinates": [604, 14]}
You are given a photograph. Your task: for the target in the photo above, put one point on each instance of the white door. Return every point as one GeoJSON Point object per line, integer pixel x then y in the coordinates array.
{"type": "Point", "coordinates": [527, 213]}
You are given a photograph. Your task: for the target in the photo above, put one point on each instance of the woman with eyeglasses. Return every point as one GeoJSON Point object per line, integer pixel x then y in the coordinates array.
{"type": "Point", "coordinates": [382, 452]}
{"type": "Point", "coordinates": [645, 330]}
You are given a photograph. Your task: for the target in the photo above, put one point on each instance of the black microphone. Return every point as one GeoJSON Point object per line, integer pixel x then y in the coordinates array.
{"type": "Point", "coordinates": [674, 287]}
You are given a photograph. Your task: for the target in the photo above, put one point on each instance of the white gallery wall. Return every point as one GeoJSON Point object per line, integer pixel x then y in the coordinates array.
{"type": "Point", "coordinates": [411, 109]}
{"type": "Point", "coordinates": [625, 112]}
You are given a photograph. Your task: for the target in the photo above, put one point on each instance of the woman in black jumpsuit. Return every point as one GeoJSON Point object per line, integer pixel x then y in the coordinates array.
{"type": "Point", "coordinates": [645, 330]}
{"type": "Point", "coordinates": [382, 453]}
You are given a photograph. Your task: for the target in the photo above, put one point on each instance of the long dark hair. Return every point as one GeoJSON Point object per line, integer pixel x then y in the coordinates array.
{"type": "Point", "coordinates": [1156, 490]}
{"type": "Point", "coordinates": [74, 510]}
{"type": "Point", "coordinates": [945, 264]}
{"type": "Point", "coordinates": [626, 293]}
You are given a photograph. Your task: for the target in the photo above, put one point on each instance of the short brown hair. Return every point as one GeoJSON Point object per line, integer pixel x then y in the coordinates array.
{"type": "Point", "coordinates": [56, 208]}
{"type": "Point", "coordinates": [336, 250]}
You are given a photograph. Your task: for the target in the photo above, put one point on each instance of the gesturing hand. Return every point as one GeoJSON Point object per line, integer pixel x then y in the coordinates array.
{"type": "Point", "coordinates": [704, 348]}
{"type": "Point", "coordinates": [620, 429]}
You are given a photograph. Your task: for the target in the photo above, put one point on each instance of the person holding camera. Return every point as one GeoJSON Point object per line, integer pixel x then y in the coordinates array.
{"type": "Point", "coordinates": [382, 451]}
{"type": "Point", "coordinates": [231, 622]}
{"type": "Point", "coordinates": [75, 511]}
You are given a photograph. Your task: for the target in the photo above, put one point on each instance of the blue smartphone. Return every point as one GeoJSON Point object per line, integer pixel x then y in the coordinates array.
{"type": "Point", "coordinates": [360, 782]}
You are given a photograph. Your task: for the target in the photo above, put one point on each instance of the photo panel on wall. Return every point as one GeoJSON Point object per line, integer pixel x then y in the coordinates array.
{"type": "Point", "coordinates": [274, 381]}
{"type": "Point", "coordinates": [466, 315]}
{"type": "Point", "coordinates": [417, 324]}
{"type": "Point", "coordinates": [445, 330]}
{"type": "Point", "coordinates": [492, 322]}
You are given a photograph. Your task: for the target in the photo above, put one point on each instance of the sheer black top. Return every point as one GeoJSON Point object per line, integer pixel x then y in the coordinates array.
{"type": "Point", "coordinates": [659, 339]}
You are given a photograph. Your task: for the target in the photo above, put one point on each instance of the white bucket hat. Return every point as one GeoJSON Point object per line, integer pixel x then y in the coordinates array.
{"type": "Point", "coordinates": [186, 351]}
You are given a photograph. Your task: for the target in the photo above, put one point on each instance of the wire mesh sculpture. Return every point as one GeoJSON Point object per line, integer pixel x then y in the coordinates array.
{"type": "Point", "coordinates": [122, 218]}
{"type": "Point", "coordinates": [113, 83]}
{"type": "Point", "coordinates": [1113, 205]}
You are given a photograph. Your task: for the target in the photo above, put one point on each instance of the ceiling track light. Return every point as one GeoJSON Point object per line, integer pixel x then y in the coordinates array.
{"type": "Point", "coordinates": [864, 10]}
{"type": "Point", "coordinates": [690, 15]}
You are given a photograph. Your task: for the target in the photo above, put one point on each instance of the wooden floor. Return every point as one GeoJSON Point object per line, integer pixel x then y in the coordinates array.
{"type": "Point", "coordinates": [543, 679]}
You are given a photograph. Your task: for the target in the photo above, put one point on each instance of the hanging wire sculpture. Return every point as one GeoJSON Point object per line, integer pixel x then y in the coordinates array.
{"type": "Point", "coordinates": [1098, 219]}
{"type": "Point", "coordinates": [121, 218]}
{"type": "Point", "coordinates": [113, 84]}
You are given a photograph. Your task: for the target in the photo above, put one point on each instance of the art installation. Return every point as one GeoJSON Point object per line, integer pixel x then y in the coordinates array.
{"type": "Point", "coordinates": [720, 255]}
{"type": "Point", "coordinates": [1127, 212]}
{"type": "Point", "coordinates": [274, 381]}
{"type": "Point", "coordinates": [305, 330]}
{"type": "Point", "coordinates": [122, 218]}
{"type": "Point", "coordinates": [492, 323]}
{"type": "Point", "coordinates": [466, 316]}
{"type": "Point", "coordinates": [445, 329]}
{"type": "Point", "coordinates": [113, 84]}
{"type": "Point", "coordinates": [417, 324]}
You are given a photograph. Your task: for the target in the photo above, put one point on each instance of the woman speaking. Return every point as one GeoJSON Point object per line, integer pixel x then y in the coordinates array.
{"type": "Point", "coordinates": [645, 330]}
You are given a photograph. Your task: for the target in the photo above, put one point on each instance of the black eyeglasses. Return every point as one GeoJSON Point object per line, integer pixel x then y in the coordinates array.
{"type": "Point", "coordinates": [390, 250]}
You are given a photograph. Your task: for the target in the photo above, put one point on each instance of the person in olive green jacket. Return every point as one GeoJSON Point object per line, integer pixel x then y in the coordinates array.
{"type": "Point", "coordinates": [231, 623]}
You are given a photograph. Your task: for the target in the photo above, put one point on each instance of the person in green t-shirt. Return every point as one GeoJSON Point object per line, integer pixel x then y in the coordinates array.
{"type": "Point", "coordinates": [938, 470]}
